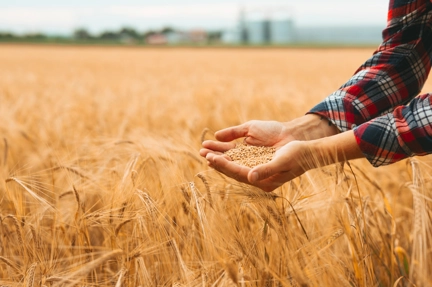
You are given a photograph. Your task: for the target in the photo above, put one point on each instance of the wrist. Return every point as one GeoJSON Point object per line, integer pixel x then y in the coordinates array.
{"type": "Point", "coordinates": [310, 127]}
{"type": "Point", "coordinates": [336, 148]}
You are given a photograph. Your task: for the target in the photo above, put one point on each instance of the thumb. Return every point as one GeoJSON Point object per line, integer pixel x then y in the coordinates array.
{"type": "Point", "coordinates": [232, 133]}
{"type": "Point", "coordinates": [262, 172]}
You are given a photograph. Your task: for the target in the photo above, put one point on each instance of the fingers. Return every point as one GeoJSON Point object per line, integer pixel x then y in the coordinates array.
{"type": "Point", "coordinates": [262, 172]}
{"type": "Point", "coordinates": [287, 163]}
{"type": "Point", "coordinates": [218, 146]}
{"type": "Point", "coordinates": [271, 183]}
{"type": "Point", "coordinates": [204, 151]}
{"type": "Point", "coordinates": [232, 133]}
{"type": "Point", "coordinates": [227, 167]}
{"type": "Point", "coordinates": [282, 164]}
{"type": "Point", "coordinates": [268, 179]}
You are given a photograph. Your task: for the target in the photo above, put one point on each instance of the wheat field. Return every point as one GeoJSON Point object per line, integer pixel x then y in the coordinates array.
{"type": "Point", "coordinates": [102, 184]}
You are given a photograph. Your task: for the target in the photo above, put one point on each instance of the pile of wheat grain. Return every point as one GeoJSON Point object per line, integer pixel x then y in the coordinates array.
{"type": "Point", "coordinates": [249, 155]}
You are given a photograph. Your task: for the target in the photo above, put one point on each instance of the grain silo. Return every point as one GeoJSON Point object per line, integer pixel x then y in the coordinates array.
{"type": "Point", "coordinates": [263, 25]}
{"type": "Point", "coordinates": [281, 31]}
{"type": "Point", "coordinates": [233, 36]}
{"type": "Point", "coordinates": [256, 31]}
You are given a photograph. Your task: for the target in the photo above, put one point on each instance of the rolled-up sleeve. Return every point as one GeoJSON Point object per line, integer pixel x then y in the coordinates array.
{"type": "Point", "coordinates": [405, 132]}
{"type": "Point", "coordinates": [372, 102]}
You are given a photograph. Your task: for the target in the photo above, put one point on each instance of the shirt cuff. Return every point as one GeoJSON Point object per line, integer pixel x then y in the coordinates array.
{"type": "Point", "coordinates": [378, 141]}
{"type": "Point", "coordinates": [335, 109]}
{"type": "Point", "coordinates": [405, 132]}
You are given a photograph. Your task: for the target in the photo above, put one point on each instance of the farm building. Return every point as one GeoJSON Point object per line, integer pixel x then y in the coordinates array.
{"type": "Point", "coordinates": [258, 29]}
{"type": "Point", "coordinates": [178, 37]}
{"type": "Point", "coordinates": [275, 26]}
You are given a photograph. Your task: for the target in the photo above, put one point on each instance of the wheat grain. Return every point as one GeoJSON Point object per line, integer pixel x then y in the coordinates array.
{"type": "Point", "coordinates": [30, 277]}
{"type": "Point", "coordinates": [206, 184]}
{"type": "Point", "coordinates": [338, 233]}
{"type": "Point", "coordinates": [249, 155]}
{"type": "Point", "coordinates": [203, 134]}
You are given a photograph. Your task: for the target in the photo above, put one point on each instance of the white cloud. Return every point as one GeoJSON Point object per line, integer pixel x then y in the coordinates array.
{"type": "Point", "coordinates": [197, 11]}
{"type": "Point", "coordinates": [28, 18]}
{"type": "Point", "coordinates": [347, 13]}
{"type": "Point", "coordinates": [214, 15]}
{"type": "Point", "coordinates": [305, 12]}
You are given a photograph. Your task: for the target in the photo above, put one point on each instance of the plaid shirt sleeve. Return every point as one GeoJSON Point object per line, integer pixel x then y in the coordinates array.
{"type": "Point", "coordinates": [372, 101]}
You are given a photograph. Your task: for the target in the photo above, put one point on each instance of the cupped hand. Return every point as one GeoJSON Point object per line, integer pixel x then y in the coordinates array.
{"type": "Point", "coordinates": [270, 133]}
{"type": "Point", "coordinates": [291, 139]}
{"type": "Point", "coordinates": [289, 161]}
{"type": "Point", "coordinates": [257, 133]}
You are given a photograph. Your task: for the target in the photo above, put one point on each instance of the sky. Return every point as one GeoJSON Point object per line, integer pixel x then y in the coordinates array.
{"type": "Point", "coordinates": [62, 17]}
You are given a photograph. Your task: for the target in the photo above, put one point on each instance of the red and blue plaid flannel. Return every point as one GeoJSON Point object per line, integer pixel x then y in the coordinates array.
{"type": "Point", "coordinates": [379, 102]}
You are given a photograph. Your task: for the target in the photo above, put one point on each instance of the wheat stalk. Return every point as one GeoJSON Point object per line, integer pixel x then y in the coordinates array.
{"type": "Point", "coordinates": [117, 229]}
{"type": "Point", "coordinates": [31, 192]}
{"type": "Point", "coordinates": [30, 277]}
{"type": "Point", "coordinates": [232, 271]}
{"type": "Point", "coordinates": [10, 264]}
{"type": "Point", "coordinates": [203, 134]}
{"type": "Point", "coordinates": [206, 184]}
{"type": "Point", "coordinates": [123, 271]}
{"type": "Point", "coordinates": [421, 227]}
{"type": "Point", "coordinates": [74, 277]}
{"type": "Point", "coordinates": [5, 153]}
{"type": "Point", "coordinates": [17, 227]}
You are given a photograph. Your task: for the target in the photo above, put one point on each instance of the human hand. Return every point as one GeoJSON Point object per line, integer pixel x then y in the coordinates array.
{"type": "Point", "coordinates": [289, 161]}
{"type": "Point", "coordinates": [257, 133]}
{"type": "Point", "coordinates": [292, 158]}
{"type": "Point", "coordinates": [270, 133]}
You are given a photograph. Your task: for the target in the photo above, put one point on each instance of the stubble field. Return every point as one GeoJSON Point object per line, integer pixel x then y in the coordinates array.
{"type": "Point", "coordinates": [101, 183]}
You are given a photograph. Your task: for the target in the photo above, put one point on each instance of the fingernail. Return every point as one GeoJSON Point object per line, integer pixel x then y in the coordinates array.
{"type": "Point", "coordinates": [254, 176]}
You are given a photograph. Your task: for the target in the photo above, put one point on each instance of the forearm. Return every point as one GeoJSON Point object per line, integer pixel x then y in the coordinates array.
{"type": "Point", "coordinates": [391, 77]}
{"type": "Point", "coordinates": [310, 127]}
{"type": "Point", "coordinates": [405, 132]}
{"type": "Point", "coordinates": [334, 149]}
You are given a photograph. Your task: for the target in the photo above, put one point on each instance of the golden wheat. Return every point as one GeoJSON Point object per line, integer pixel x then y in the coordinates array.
{"type": "Point", "coordinates": [249, 155]}
{"type": "Point", "coordinates": [101, 183]}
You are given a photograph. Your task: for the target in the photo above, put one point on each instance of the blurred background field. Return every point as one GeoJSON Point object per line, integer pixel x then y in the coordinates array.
{"type": "Point", "coordinates": [191, 23]}
{"type": "Point", "coordinates": [102, 185]}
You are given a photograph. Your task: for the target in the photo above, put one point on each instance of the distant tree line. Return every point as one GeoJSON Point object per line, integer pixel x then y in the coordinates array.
{"type": "Point", "coordinates": [125, 34]}
{"type": "Point", "coordinates": [29, 36]}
